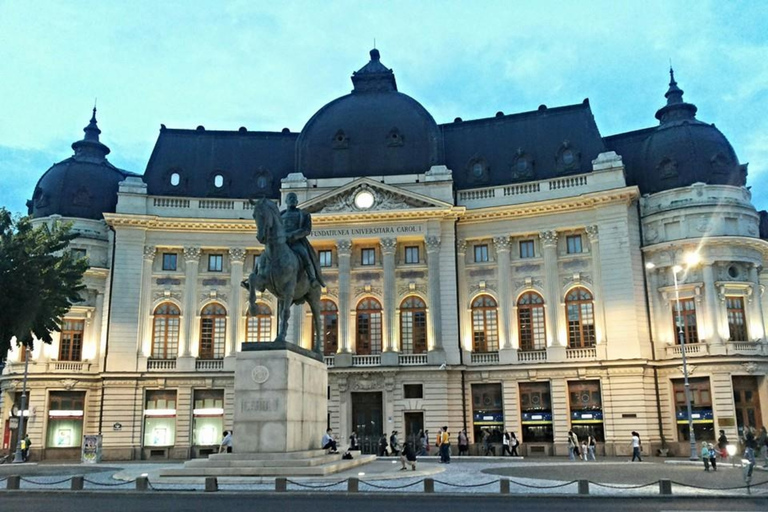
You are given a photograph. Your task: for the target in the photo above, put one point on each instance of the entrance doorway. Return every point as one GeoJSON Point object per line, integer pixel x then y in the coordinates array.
{"type": "Point", "coordinates": [746, 400]}
{"type": "Point", "coordinates": [414, 423]}
{"type": "Point", "coordinates": [367, 420]}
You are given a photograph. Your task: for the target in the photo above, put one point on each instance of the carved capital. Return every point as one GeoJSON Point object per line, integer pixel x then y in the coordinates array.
{"type": "Point", "coordinates": [502, 243]}
{"type": "Point", "coordinates": [388, 245]}
{"type": "Point", "coordinates": [344, 247]}
{"type": "Point", "coordinates": [192, 254]}
{"type": "Point", "coordinates": [461, 246]}
{"type": "Point", "coordinates": [548, 238]}
{"type": "Point", "coordinates": [592, 233]}
{"type": "Point", "coordinates": [237, 255]}
{"type": "Point", "coordinates": [433, 243]}
{"type": "Point", "coordinates": [149, 252]}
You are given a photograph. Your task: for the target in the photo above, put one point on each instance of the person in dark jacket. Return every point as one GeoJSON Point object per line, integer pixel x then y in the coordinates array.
{"type": "Point", "coordinates": [408, 457]}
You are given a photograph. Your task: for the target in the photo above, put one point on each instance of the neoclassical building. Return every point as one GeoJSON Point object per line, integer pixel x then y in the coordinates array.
{"type": "Point", "coordinates": [519, 272]}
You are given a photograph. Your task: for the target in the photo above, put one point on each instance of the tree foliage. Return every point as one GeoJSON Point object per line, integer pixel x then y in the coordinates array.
{"type": "Point", "coordinates": [39, 279]}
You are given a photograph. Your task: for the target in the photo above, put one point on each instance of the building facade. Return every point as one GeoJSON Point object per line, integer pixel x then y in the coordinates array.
{"type": "Point", "coordinates": [520, 272]}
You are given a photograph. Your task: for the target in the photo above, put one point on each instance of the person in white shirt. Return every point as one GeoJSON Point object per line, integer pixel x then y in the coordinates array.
{"type": "Point", "coordinates": [226, 442]}
{"type": "Point", "coordinates": [329, 443]}
{"type": "Point", "coordinates": [637, 447]}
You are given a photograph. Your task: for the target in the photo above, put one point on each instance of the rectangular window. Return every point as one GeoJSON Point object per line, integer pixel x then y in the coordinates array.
{"type": "Point", "coordinates": [412, 254]}
{"type": "Point", "coordinates": [481, 253]}
{"type": "Point", "coordinates": [573, 243]}
{"type": "Point", "coordinates": [526, 249]}
{"type": "Point", "coordinates": [215, 262]}
{"type": "Point", "coordinates": [169, 261]}
{"type": "Point", "coordinates": [536, 412]}
{"type": "Point", "coordinates": [65, 419]}
{"type": "Point", "coordinates": [325, 258]}
{"type": "Point", "coordinates": [413, 391]}
{"type": "Point", "coordinates": [487, 411]}
{"type": "Point", "coordinates": [737, 325]}
{"type": "Point", "coordinates": [685, 323]}
{"type": "Point", "coordinates": [160, 418]}
{"type": "Point", "coordinates": [701, 409]}
{"type": "Point", "coordinates": [586, 409]}
{"type": "Point", "coordinates": [71, 340]}
{"type": "Point", "coordinates": [368, 257]}
{"type": "Point", "coordinates": [208, 414]}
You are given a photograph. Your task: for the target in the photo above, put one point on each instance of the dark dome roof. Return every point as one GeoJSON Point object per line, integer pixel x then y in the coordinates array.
{"type": "Point", "coordinates": [375, 130]}
{"type": "Point", "coordinates": [682, 150]}
{"type": "Point", "coordinates": [83, 186]}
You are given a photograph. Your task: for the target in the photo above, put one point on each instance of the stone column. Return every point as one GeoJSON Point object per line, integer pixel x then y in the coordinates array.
{"type": "Point", "coordinates": [190, 313]}
{"type": "Point", "coordinates": [555, 345]}
{"type": "Point", "coordinates": [235, 321]}
{"type": "Point", "coordinates": [97, 327]}
{"type": "Point", "coordinates": [436, 354]}
{"type": "Point", "coordinates": [597, 288]}
{"type": "Point", "coordinates": [712, 311]}
{"type": "Point", "coordinates": [344, 255]}
{"type": "Point", "coordinates": [502, 245]}
{"type": "Point", "coordinates": [390, 355]}
{"type": "Point", "coordinates": [145, 304]}
{"type": "Point", "coordinates": [755, 316]}
{"type": "Point", "coordinates": [465, 324]}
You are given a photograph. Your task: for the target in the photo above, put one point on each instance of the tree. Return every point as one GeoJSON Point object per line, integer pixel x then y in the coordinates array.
{"type": "Point", "coordinates": [39, 279]}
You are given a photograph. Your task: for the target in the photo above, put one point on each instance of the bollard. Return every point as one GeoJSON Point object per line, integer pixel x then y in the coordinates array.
{"type": "Point", "coordinates": [14, 482]}
{"type": "Point", "coordinates": [665, 487]}
{"type": "Point", "coordinates": [281, 484]}
{"type": "Point", "coordinates": [504, 486]}
{"type": "Point", "coordinates": [77, 483]}
{"type": "Point", "coordinates": [353, 484]}
{"type": "Point", "coordinates": [583, 486]}
{"type": "Point", "coordinates": [142, 483]}
{"type": "Point", "coordinates": [211, 484]}
{"type": "Point", "coordinates": [429, 485]}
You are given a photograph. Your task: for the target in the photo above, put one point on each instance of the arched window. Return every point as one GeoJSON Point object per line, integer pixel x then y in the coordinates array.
{"type": "Point", "coordinates": [485, 331]}
{"type": "Point", "coordinates": [413, 326]}
{"type": "Point", "coordinates": [213, 331]}
{"type": "Point", "coordinates": [530, 318]}
{"type": "Point", "coordinates": [165, 332]}
{"type": "Point", "coordinates": [259, 328]}
{"type": "Point", "coordinates": [581, 318]}
{"type": "Point", "coordinates": [329, 319]}
{"type": "Point", "coordinates": [368, 339]}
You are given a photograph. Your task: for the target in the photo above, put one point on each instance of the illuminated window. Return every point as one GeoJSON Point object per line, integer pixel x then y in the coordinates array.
{"type": "Point", "coordinates": [485, 332]}
{"type": "Point", "coordinates": [213, 330]}
{"type": "Point", "coordinates": [368, 339]}
{"type": "Point", "coordinates": [688, 321]}
{"type": "Point", "coordinates": [165, 333]}
{"type": "Point", "coordinates": [737, 326]}
{"type": "Point", "coordinates": [581, 318]}
{"type": "Point", "coordinates": [71, 341]}
{"type": "Point", "coordinates": [160, 418]}
{"type": "Point", "coordinates": [329, 319]}
{"type": "Point", "coordinates": [413, 326]}
{"type": "Point", "coordinates": [258, 329]}
{"type": "Point", "coordinates": [530, 317]}
{"type": "Point", "coordinates": [208, 416]}
{"type": "Point", "coordinates": [65, 419]}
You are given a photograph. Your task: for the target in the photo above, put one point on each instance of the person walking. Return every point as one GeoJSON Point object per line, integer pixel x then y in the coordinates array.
{"type": "Point", "coordinates": [514, 442]}
{"type": "Point", "coordinates": [591, 446]}
{"type": "Point", "coordinates": [383, 446]}
{"type": "Point", "coordinates": [506, 442]}
{"type": "Point", "coordinates": [712, 456]}
{"type": "Point", "coordinates": [408, 456]}
{"type": "Point", "coordinates": [426, 442]}
{"type": "Point", "coordinates": [487, 446]}
{"type": "Point", "coordinates": [394, 443]}
{"type": "Point", "coordinates": [226, 442]}
{"type": "Point", "coordinates": [762, 444]}
{"type": "Point", "coordinates": [573, 445]}
{"type": "Point", "coordinates": [722, 444]}
{"type": "Point", "coordinates": [463, 442]}
{"type": "Point", "coordinates": [445, 446]}
{"type": "Point", "coordinates": [637, 447]}
{"type": "Point", "coordinates": [705, 455]}
{"type": "Point", "coordinates": [25, 444]}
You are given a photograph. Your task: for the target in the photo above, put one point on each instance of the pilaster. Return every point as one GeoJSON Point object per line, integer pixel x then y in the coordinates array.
{"type": "Point", "coordinates": [712, 311]}
{"type": "Point", "coordinates": [597, 284]}
{"type": "Point", "coordinates": [461, 269]}
{"type": "Point", "coordinates": [388, 249]}
{"type": "Point", "coordinates": [436, 352]}
{"type": "Point", "coordinates": [344, 255]}
{"type": "Point", "coordinates": [190, 313]}
{"type": "Point", "coordinates": [755, 316]}
{"type": "Point", "coordinates": [551, 287]}
{"type": "Point", "coordinates": [145, 304]}
{"type": "Point", "coordinates": [235, 322]}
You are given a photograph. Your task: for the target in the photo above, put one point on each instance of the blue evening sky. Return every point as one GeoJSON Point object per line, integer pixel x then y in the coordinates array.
{"type": "Point", "coordinates": [269, 65]}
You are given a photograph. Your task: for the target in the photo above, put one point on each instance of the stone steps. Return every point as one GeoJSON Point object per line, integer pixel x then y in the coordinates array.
{"type": "Point", "coordinates": [241, 466]}
{"type": "Point", "coordinates": [243, 463]}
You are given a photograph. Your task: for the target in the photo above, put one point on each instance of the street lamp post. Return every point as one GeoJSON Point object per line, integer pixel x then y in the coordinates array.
{"type": "Point", "coordinates": [681, 336]}
{"type": "Point", "coordinates": [18, 457]}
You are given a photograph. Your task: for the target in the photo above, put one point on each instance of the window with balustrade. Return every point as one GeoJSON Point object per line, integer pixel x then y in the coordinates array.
{"type": "Point", "coordinates": [368, 339]}
{"type": "Point", "coordinates": [329, 320]}
{"type": "Point", "coordinates": [737, 322]}
{"type": "Point", "coordinates": [413, 326]}
{"type": "Point", "coordinates": [685, 321]}
{"type": "Point", "coordinates": [580, 311]}
{"type": "Point", "coordinates": [485, 325]}
{"type": "Point", "coordinates": [258, 327]}
{"type": "Point", "coordinates": [530, 320]}
{"type": "Point", "coordinates": [165, 332]}
{"type": "Point", "coordinates": [71, 340]}
{"type": "Point", "coordinates": [213, 331]}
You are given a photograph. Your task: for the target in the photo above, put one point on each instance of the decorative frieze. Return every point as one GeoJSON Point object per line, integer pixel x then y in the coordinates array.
{"type": "Point", "coordinates": [165, 281]}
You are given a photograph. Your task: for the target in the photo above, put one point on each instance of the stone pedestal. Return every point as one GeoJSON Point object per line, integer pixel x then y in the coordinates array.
{"type": "Point", "coordinates": [280, 399]}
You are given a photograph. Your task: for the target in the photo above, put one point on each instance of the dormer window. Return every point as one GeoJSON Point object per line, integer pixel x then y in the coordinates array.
{"type": "Point", "coordinates": [667, 168]}
{"type": "Point", "coordinates": [175, 179]}
{"type": "Point", "coordinates": [218, 181]}
{"type": "Point", "coordinates": [522, 167]}
{"type": "Point", "coordinates": [263, 180]}
{"type": "Point", "coordinates": [720, 164]}
{"type": "Point", "coordinates": [568, 158]}
{"type": "Point", "coordinates": [478, 170]}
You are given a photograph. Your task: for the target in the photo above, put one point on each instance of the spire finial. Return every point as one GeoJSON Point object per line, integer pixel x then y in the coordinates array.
{"type": "Point", "coordinates": [676, 108]}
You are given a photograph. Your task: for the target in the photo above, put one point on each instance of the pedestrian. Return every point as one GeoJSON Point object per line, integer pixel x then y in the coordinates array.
{"type": "Point", "coordinates": [445, 446]}
{"type": "Point", "coordinates": [383, 446]}
{"type": "Point", "coordinates": [712, 456]}
{"type": "Point", "coordinates": [408, 457]}
{"type": "Point", "coordinates": [584, 449]}
{"type": "Point", "coordinates": [329, 443]}
{"type": "Point", "coordinates": [426, 442]}
{"type": "Point", "coordinates": [394, 443]}
{"type": "Point", "coordinates": [463, 442]}
{"type": "Point", "coordinates": [487, 446]}
{"type": "Point", "coordinates": [25, 444]}
{"type": "Point", "coordinates": [514, 442]}
{"type": "Point", "coordinates": [226, 442]}
{"type": "Point", "coordinates": [749, 453]}
{"type": "Point", "coordinates": [591, 446]}
{"type": "Point", "coordinates": [705, 455]}
{"type": "Point", "coordinates": [573, 445]}
{"type": "Point", "coordinates": [353, 446]}
{"type": "Point", "coordinates": [762, 444]}
{"type": "Point", "coordinates": [637, 447]}
{"type": "Point", "coordinates": [506, 442]}
{"type": "Point", "coordinates": [722, 444]}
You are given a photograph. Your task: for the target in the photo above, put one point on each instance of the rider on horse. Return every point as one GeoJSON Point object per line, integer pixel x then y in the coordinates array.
{"type": "Point", "coordinates": [298, 225]}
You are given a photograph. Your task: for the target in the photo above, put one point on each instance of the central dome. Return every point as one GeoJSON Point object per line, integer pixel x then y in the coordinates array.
{"type": "Point", "coordinates": [373, 131]}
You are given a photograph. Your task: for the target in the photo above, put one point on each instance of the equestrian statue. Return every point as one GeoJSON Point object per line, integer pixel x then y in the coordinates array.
{"type": "Point", "coordinates": [288, 267]}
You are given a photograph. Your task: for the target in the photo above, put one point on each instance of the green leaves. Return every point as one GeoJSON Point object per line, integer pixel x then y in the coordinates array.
{"type": "Point", "coordinates": [39, 279]}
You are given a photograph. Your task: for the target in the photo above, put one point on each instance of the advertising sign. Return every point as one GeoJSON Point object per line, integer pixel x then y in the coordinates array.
{"type": "Point", "coordinates": [91, 450]}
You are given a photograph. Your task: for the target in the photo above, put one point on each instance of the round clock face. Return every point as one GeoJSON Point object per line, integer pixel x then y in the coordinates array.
{"type": "Point", "coordinates": [364, 200]}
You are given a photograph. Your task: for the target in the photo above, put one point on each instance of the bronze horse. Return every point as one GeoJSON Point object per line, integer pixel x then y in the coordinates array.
{"type": "Point", "coordinates": [279, 270]}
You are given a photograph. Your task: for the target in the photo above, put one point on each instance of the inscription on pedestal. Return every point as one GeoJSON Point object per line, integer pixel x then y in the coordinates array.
{"type": "Point", "coordinates": [260, 374]}
{"type": "Point", "coordinates": [260, 405]}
